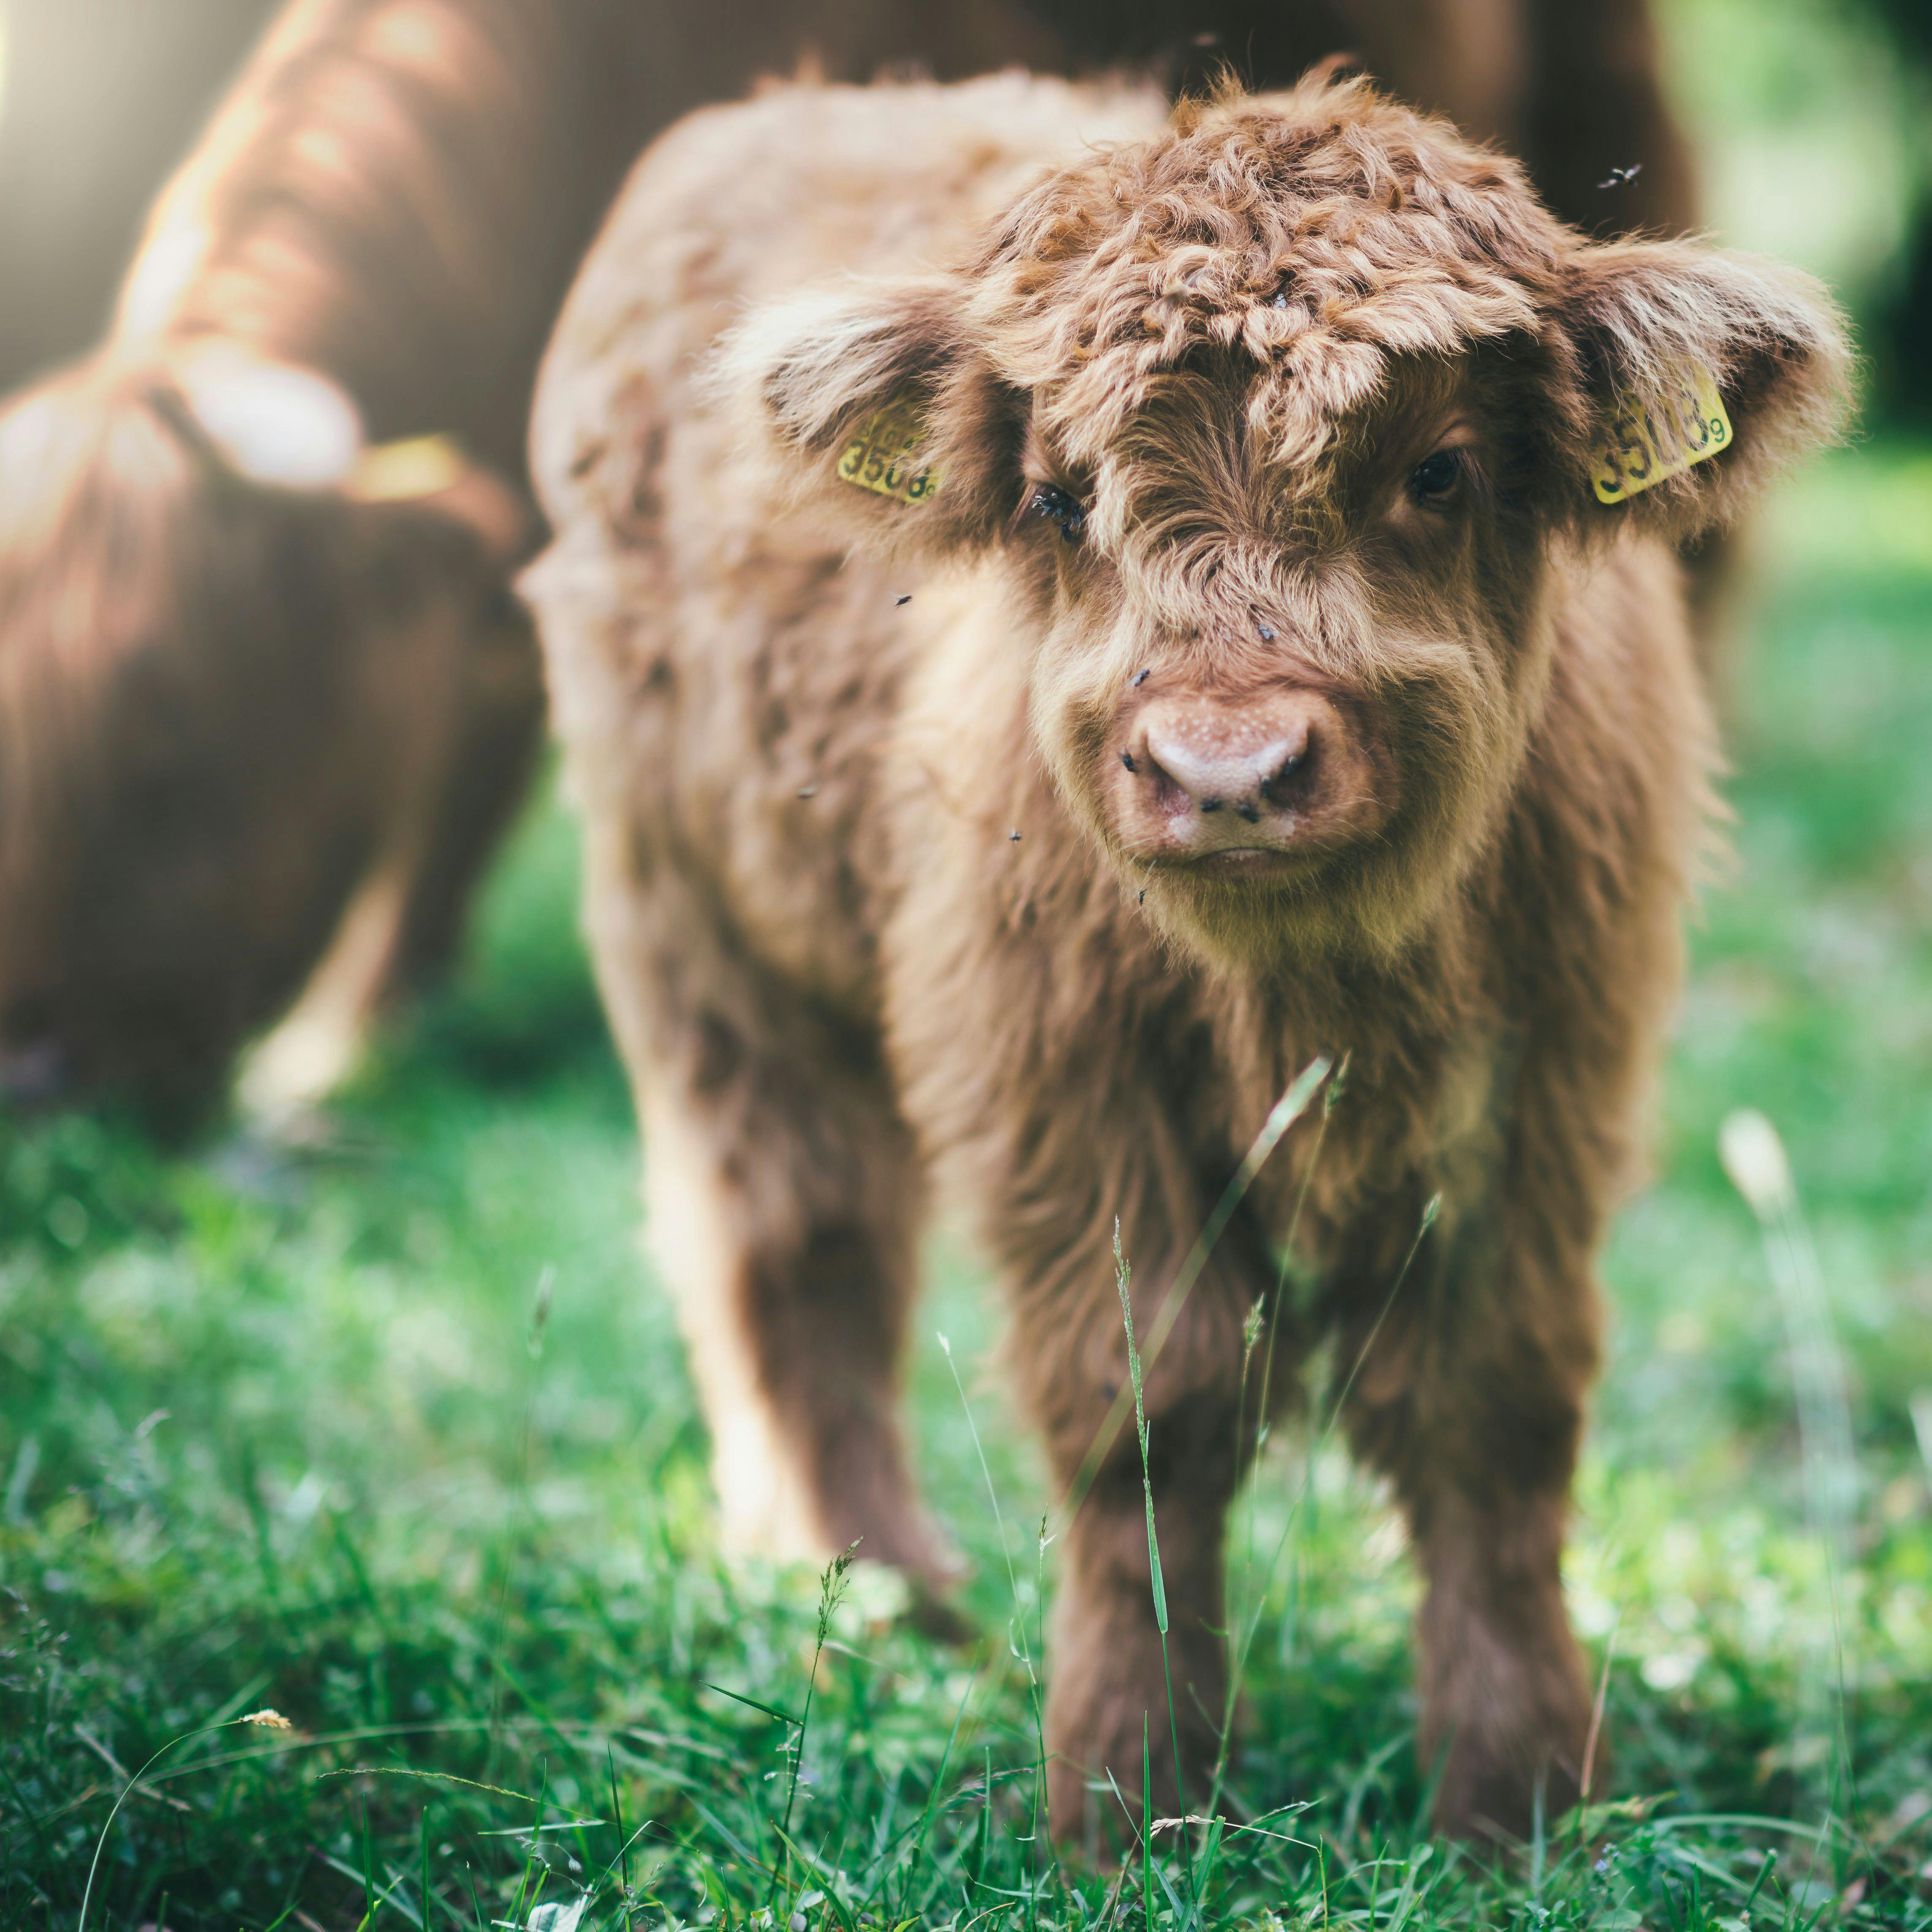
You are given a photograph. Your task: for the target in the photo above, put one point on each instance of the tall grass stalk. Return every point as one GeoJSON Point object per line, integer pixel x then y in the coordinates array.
{"type": "Point", "coordinates": [831, 1593]}
{"type": "Point", "coordinates": [1282, 1115]}
{"type": "Point", "coordinates": [1122, 1273]}
{"type": "Point", "coordinates": [1257, 1597]}
{"type": "Point", "coordinates": [1331, 1095]}
{"type": "Point", "coordinates": [1754, 1158]}
{"type": "Point", "coordinates": [1270, 1318]}
{"type": "Point", "coordinates": [272, 1720]}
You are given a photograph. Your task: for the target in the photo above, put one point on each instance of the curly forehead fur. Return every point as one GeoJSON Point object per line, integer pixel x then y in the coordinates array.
{"type": "Point", "coordinates": [1301, 245]}
{"type": "Point", "coordinates": [1318, 231]}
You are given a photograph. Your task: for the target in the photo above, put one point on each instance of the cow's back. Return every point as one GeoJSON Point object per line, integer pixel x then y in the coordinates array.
{"type": "Point", "coordinates": [722, 676]}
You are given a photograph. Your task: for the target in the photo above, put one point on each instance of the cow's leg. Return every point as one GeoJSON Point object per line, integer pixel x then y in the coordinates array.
{"type": "Point", "coordinates": [1467, 1388]}
{"type": "Point", "coordinates": [497, 737]}
{"type": "Point", "coordinates": [1108, 1678]}
{"type": "Point", "coordinates": [455, 692]}
{"type": "Point", "coordinates": [783, 1199]}
{"type": "Point", "coordinates": [317, 1043]}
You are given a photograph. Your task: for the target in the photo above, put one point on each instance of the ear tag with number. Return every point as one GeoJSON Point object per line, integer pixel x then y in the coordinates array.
{"type": "Point", "coordinates": [1654, 438]}
{"type": "Point", "coordinates": [883, 455]}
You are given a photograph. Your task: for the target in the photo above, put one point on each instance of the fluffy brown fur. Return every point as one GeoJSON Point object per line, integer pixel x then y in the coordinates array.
{"type": "Point", "coordinates": [1418, 775]}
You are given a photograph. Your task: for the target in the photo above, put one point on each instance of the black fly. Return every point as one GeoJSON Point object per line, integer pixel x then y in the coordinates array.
{"type": "Point", "coordinates": [1622, 177]}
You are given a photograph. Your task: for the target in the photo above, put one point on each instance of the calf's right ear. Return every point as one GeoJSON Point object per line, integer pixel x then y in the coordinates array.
{"type": "Point", "coordinates": [1708, 373]}
{"type": "Point", "coordinates": [866, 405]}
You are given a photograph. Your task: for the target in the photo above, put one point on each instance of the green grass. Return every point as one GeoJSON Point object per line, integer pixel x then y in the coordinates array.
{"type": "Point", "coordinates": [392, 1433]}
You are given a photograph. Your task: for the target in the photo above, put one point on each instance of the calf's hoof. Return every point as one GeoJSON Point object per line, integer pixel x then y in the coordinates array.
{"type": "Point", "coordinates": [1494, 1792]}
{"type": "Point", "coordinates": [1107, 1708]}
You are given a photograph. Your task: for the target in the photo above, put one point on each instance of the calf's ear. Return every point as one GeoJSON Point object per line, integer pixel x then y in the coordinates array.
{"type": "Point", "coordinates": [1706, 373]}
{"type": "Point", "coordinates": [865, 403]}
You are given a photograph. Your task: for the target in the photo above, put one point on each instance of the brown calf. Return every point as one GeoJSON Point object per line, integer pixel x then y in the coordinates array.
{"type": "Point", "coordinates": [1272, 683]}
{"type": "Point", "coordinates": [201, 795]}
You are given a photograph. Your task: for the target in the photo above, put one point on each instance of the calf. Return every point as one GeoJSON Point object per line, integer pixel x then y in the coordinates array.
{"type": "Point", "coordinates": [1137, 604]}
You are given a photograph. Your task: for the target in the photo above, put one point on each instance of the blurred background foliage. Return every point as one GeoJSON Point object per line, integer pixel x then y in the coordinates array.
{"type": "Point", "coordinates": [1814, 120]}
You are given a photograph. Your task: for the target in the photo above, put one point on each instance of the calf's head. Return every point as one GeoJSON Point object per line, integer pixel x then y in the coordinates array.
{"type": "Point", "coordinates": [210, 681]}
{"type": "Point", "coordinates": [1282, 429]}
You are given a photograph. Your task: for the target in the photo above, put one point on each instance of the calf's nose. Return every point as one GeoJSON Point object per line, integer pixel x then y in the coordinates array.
{"type": "Point", "coordinates": [1224, 756]}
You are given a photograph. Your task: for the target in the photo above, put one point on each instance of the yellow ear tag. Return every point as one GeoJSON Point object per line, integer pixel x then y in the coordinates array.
{"type": "Point", "coordinates": [394, 473]}
{"type": "Point", "coordinates": [883, 455]}
{"type": "Point", "coordinates": [1654, 439]}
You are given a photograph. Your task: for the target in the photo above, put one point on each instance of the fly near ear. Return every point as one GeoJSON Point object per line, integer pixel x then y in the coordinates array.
{"type": "Point", "coordinates": [1708, 372]}
{"type": "Point", "coordinates": [870, 407]}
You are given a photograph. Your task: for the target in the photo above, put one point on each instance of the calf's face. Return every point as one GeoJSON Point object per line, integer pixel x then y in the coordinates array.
{"type": "Point", "coordinates": [1285, 696]}
{"type": "Point", "coordinates": [1282, 430]}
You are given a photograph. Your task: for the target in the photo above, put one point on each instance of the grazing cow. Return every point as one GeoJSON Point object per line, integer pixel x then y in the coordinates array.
{"type": "Point", "coordinates": [1130, 606]}
{"type": "Point", "coordinates": [203, 611]}
{"type": "Point", "coordinates": [243, 726]}
{"type": "Point", "coordinates": [265, 698]}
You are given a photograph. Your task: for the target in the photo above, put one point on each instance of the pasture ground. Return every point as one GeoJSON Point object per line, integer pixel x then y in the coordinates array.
{"type": "Point", "coordinates": [389, 1431]}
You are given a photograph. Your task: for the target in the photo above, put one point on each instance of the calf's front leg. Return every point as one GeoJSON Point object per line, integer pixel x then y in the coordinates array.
{"type": "Point", "coordinates": [1468, 1390]}
{"type": "Point", "coordinates": [1111, 1683]}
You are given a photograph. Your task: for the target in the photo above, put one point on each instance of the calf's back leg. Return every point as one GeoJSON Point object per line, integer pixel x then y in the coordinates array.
{"type": "Point", "coordinates": [783, 1199]}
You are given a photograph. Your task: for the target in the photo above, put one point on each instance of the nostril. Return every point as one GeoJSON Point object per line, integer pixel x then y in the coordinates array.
{"type": "Point", "coordinates": [1283, 772]}
{"type": "Point", "coordinates": [1205, 760]}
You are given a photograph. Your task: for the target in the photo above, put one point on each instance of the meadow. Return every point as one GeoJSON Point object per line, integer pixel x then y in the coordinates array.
{"type": "Point", "coordinates": [382, 1426]}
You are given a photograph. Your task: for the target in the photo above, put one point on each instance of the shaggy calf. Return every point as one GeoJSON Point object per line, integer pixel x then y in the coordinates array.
{"type": "Point", "coordinates": [1274, 681]}
{"type": "Point", "coordinates": [1133, 607]}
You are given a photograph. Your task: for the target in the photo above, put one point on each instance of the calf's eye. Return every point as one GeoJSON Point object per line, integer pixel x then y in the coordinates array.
{"type": "Point", "coordinates": [1056, 506]}
{"type": "Point", "coordinates": [1435, 477]}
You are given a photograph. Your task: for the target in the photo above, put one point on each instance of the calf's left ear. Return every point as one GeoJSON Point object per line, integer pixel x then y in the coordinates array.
{"type": "Point", "coordinates": [1706, 373]}
{"type": "Point", "coordinates": [865, 403]}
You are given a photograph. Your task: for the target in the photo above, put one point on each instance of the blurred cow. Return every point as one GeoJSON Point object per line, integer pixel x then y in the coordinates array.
{"type": "Point", "coordinates": [265, 699]}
